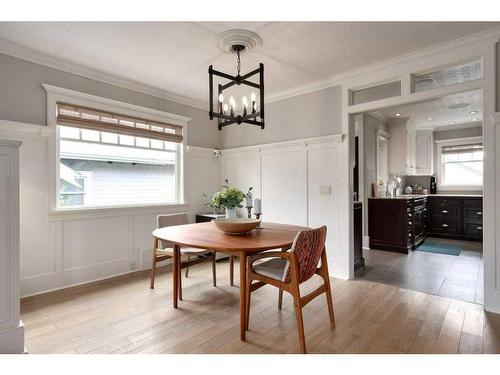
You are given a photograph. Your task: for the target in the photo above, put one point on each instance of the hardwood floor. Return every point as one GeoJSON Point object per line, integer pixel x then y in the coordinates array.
{"type": "Point", "coordinates": [122, 315]}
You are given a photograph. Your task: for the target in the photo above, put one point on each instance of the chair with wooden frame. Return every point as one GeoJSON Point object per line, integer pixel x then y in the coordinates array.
{"type": "Point", "coordinates": [162, 250]}
{"type": "Point", "coordinates": [287, 270]}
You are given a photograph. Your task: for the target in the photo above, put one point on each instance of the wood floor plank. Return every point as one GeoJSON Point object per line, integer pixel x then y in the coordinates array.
{"type": "Point", "coordinates": [122, 315]}
{"type": "Point", "coordinates": [449, 337]}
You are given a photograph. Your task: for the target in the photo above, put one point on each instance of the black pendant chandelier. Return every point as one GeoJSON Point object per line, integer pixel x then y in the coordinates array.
{"type": "Point", "coordinates": [251, 111]}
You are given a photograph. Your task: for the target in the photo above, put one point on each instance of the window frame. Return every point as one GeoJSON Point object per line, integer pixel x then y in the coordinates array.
{"type": "Point", "coordinates": [58, 94]}
{"type": "Point", "coordinates": [439, 164]}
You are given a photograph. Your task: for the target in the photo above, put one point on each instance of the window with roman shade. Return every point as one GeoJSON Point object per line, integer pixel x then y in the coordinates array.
{"type": "Point", "coordinates": [87, 118]}
{"type": "Point", "coordinates": [109, 159]}
{"type": "Point", "coordinates": [462, 164]}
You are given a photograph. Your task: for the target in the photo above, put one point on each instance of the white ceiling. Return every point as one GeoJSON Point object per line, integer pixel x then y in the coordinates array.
{"type": "Point", "coordinates": [174, 56]}
{"type": "Point", "coordinates": [438, 109]}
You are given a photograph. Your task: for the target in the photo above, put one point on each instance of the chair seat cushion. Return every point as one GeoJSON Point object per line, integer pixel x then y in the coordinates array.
{"type": "Point", "coordinates": [184, 251]}
{"type": "Point", "coordinates": [274, 268]}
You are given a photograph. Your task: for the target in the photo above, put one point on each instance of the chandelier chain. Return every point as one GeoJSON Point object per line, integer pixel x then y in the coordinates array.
{"type": "Point", "coordinates": [239, 62]}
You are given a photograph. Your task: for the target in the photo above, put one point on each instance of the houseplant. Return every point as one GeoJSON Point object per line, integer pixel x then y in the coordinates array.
{"type": "Point", "coordinates": [229, 197]}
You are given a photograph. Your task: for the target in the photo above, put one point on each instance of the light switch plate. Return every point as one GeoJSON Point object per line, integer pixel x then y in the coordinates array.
{"type": "Point", "coordinates": [325, 190]}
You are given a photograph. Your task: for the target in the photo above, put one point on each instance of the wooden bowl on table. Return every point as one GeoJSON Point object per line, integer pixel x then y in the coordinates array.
{"type": "Point", "coordinates": [236, 226]}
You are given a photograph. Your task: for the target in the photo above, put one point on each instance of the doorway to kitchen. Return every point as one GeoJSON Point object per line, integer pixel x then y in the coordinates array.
{"type": "Point", "coordinates": [420, 173]}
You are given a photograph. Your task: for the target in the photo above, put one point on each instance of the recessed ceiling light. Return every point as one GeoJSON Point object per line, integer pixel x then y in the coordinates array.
{"type": "Point", "coordinates": [458, 105]}
{"type": "Point", "coordinates": [473, 112]}
{"type": "Point", "coordinates": [475, 119]}
{"type": "Point", "coordinates": [452, 122]}
{"type": "Point", "coordinates": [397, 114]}
{"type": "Point", "coordinates": [430, 118]}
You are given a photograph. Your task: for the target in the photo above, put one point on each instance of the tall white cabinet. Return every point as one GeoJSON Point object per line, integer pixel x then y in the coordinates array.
{"type": "Point", "coordinates": [11, 327]}
{"type": "Point", "coordinates": [420, 153]}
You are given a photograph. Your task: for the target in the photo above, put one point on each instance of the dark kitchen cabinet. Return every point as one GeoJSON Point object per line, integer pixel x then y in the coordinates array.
{"type": "Point", "coordinates": [419, 221]}
{"type": "Point", "coordinates": [456, 217]}
{"type": "Point", "coordinates": [402, 224]}
{"type": "Point", "coordinates": [391, 224]}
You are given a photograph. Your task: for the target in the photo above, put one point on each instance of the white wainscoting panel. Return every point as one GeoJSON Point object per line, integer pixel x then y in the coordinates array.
{"type": "Point", "coordinates": [242, 169]}
{"type": "Point", "coordinates": [284, 186]}
{"type": "Point", "coordinates": [11, 327]}
{"type": "Point", "coordinates": [91, 242]}
{"type": "Point", "coordinates": [299, 184]}
{"type": "Point", "coordinates": [5, 251]}
{"type": "Point", "coordinates": [322, 184]}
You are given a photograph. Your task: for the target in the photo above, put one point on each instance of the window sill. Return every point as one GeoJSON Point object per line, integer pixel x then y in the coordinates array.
{"type": "Point", "coordinates": [460, 188]}
{"type": "Point", "coordinates": [68, 214]}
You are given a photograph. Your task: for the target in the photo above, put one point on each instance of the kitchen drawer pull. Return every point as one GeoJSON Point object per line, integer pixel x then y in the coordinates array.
{"type": "Point", "coordinates": [445, 225]}
{"type": "Point", "coordinates": [479, 213]}
{"type": "Point", "coordinates": [479, 228]}
{"type": "Point", "coordinates": [444, 212]}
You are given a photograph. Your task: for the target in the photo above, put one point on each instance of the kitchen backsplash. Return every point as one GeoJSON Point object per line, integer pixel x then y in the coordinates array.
{"type": "Point", "coordinates": [425, 182]}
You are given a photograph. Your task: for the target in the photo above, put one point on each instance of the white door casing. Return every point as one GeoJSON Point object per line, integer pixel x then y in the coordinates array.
{"type": "Point", "coordinates": [402, 69]}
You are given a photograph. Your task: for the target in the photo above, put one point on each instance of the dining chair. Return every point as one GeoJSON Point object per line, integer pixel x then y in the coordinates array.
{"type": "Point", "coordinates": [287, 270]}
{"type": "Point", "coordinates": [163, 250]}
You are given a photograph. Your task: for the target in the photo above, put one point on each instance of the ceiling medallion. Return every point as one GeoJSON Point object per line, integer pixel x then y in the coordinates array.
{"type": "Point", "coordinates": [237, 42]}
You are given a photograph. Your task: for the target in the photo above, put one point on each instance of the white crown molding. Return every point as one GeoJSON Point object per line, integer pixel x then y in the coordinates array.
{"type": "Point", "coordinates": [488, 36]}
{"type": "Point", "coordinates": [24, 53]}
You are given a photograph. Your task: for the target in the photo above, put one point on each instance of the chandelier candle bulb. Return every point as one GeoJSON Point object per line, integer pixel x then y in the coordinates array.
{"type": "Point", "coordinates": [232, 103]}
{"type": "Point", "coordinates": [226, 108]}
{"type": "Point", "coordinates": [221, 102]}
{"type": "Point", "coordinates": [244, 101]}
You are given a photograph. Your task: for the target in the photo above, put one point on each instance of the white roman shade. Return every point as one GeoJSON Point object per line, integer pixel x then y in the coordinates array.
{"type": "Point", "coordinates": [462, 149]}
{"type": "Point", "coordinates": [88, 118]}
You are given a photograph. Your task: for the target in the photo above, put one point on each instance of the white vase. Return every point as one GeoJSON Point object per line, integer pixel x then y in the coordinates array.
{"type": "Point", "coordinates": [230, 213]}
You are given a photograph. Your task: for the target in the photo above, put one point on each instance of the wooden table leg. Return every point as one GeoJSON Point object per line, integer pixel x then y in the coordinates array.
{"type": "Point", "coordinates": [175, 275]}
{"type": "Point", "coordinates": [243, 300]}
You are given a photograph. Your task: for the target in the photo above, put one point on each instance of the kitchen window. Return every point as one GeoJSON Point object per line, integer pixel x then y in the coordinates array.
{"type": "Point", "coordinates": [460, 165]}
{"type": "Point", "coordinates": [110, 160]}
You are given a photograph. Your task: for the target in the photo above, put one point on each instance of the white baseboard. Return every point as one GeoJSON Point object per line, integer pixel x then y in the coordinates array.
{"type": "Point", "coordinates": [12, 340]}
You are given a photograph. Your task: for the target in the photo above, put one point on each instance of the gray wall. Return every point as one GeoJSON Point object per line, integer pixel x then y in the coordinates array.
{"type": "Point", "coordinates": [476, 131]}
{"type": "Point", "coordinates": [23, 99]}
{"type": "Point", "coordinates": [498, 77]}
{"type": "Point", "coordinates": [309, 115]}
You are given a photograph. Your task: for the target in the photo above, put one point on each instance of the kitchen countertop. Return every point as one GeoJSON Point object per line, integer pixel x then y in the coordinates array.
{"type": "Point", "coordinates": [415, 196]}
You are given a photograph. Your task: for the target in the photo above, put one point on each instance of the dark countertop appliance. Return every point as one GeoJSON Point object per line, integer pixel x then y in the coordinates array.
{"type": "Point", "coordinates": [433, 185]}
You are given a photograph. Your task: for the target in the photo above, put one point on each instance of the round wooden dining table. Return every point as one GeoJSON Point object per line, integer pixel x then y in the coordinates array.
{"type": "Point", "coordinates": [207, 236]}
